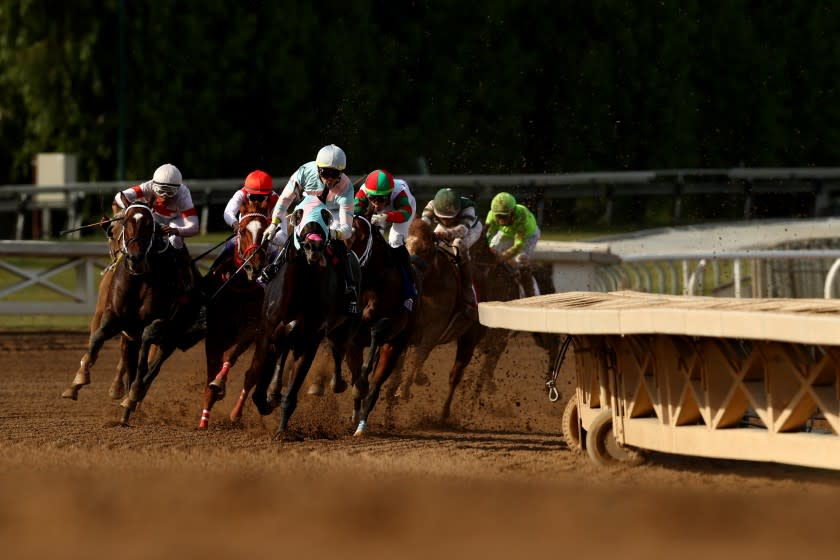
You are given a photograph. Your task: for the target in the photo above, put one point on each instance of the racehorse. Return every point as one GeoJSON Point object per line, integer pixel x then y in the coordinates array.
{"type": "Point", "coordinates": [496, 280]}
{"type": "Point", "coordinates": [141, 304]}
{"type": "Point", "coordinates": [440, 317]}
{"type": "Point", "coordinates": [385, 323]}
{"type": "Point", "coordinates": [235, 302]}
{"type": "Point", "coordinates": [303, 304]}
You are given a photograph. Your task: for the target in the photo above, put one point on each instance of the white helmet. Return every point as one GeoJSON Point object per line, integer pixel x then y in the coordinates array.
{"type": "Point", "coordinates": [331, 156]}
{"type": "Point", "coordinates": [166, 180]}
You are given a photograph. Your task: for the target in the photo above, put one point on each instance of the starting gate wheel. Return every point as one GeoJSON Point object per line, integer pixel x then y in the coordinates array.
{"type": "Point", "coordinates": [602, 447]}
{"type": "Point", "coordinates": [572, 432]}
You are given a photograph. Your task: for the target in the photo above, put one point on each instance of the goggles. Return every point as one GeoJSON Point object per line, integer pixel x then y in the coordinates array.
{"type": "Point", "coordinates": [256, 197]}
{"type": "Point", "coordinates": [329, 173]}
{"type": "Point", "coordinates": [377, 197]}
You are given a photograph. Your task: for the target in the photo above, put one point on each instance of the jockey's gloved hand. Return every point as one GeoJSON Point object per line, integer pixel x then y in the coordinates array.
{"type": "Point", "coordinates": [235, 227]}
{"type": "Point", "coordinates": [379, 220]}
{"type": "Point", "coordinates": [336, 233]}
{"type": "Point", "coordinates": [269, 232]}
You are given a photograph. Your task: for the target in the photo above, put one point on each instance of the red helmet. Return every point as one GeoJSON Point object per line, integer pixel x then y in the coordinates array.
{"type": "Point", "coordinates": [258, 182]}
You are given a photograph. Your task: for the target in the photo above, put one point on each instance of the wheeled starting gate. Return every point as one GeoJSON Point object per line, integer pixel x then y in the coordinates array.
{"type": "Point", "coordinates": [752, 379]}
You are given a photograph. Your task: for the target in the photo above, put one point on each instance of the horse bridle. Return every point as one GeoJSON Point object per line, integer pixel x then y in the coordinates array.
{"type": "Point", "coordinates": [124, 242]}
{"type": "Point", "coordinates": [366, 253]}
{"type": "Point", "coordinates": [255, 246]}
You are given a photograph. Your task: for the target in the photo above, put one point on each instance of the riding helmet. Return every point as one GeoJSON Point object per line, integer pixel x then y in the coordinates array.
{"type": "Point", "coordinates": [331, 157]}
{"type": "Point", "coordinates": [258, 182]}
{"type": "Point", "coordinates": [447, 203]}
{"type": "Point", "coordinates": [379, 183]}
{"type": "Point", "coordinates": [503, 203]}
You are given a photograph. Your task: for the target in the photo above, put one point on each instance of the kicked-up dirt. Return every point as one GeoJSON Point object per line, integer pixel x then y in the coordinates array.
{"type": "Point", "coordinates": [497, 482]}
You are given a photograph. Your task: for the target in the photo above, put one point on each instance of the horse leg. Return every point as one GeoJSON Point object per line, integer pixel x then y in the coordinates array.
{"type": "Point", "coordinates": [106, 330]}
{"type": "Point", "coordinates": [389, 354]}
{"type": "Point", "coordinates": [302, 363]}
{"type": "Point", "coordinates": [127, 368]}
{"type": "Point", "coordinates": [339, 349]}
{"type": "Point", "coordinates": [274, 391]}
{"type": "Point", "coordinates": [415, 367]}
{"type": "Point", "coordinates": [353, 358]}
{"type": "Point", "coordinates": [463, 355]}
{"type": "Point", "coordinates": [492, 346]}
{"type": "Point", "coordinates": [218, 366]}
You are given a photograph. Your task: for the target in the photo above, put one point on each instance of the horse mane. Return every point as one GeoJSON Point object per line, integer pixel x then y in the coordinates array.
{"type": "Point", "coordinates": [421, 236]}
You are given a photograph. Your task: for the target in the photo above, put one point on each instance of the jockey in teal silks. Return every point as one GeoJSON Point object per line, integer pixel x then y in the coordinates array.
{"type": "Point", "coordinates": [324, 178]}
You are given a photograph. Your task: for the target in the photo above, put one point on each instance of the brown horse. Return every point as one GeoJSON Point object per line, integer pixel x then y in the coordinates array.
{"type": "Point", "coordinates": [235, 301]}
{"type": "Point", "coordinates": [303, 304]}
{"type": "Point", "coordinates": [385, 322]}
{"type": "Point", "coordinates": [440, 317]}
{"type": "Point", "coordinates": [141, 304]}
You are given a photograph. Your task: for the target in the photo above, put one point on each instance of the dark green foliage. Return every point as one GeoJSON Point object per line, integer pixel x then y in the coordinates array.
{"type": "Point", "coordinates": [220, 88]}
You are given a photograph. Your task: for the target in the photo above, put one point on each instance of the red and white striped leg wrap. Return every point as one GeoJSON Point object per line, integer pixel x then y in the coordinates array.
{"type": "Point", "coordinates": [224, 371]}
{"type": "Point", "coordinates": [205, 419]}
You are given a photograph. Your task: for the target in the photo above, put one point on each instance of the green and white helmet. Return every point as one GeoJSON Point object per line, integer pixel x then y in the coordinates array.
{"type": "Point", "coordinates": [503, 204]}
{"type": "Point", "coordinates": [447, 203]}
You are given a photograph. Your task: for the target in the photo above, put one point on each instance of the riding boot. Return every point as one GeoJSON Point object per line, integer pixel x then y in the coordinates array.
{"type": "Point", "coordinates": [187, 271]}
{"type": "Point", "coordinates": [341, 251]}
{"type": "Point", "coordinates": [526, 279]}
{"type": "Point", "coordinates": [403, 260]}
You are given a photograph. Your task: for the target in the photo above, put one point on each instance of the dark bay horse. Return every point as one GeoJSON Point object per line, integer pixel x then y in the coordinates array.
{"type": "Point", "coordinates": [235, 302]}
{"type": "Point", "coordinates": [141, 304]}
{"type": "Point", "coordinates": [385, 324]}
{"type": "Point", "coordinates": [303, 304]}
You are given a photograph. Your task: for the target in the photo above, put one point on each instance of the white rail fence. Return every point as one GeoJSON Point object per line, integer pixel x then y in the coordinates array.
{"type": "Point", "coordinates": [48, 278]}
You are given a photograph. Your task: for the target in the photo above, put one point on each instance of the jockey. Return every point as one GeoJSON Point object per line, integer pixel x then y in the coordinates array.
{"type": "Point", "coordinates": [458, 224]}
{"type": "Point", "coordinates": [174, 213]}
{"type": "Point", "coordinates": [392, 205]}
{"type": "Point", "coordinates": [325, 179]}
{"type": "Point", "coordinates": [258, 186]}
{"type": "Point", "coordinates": [512, 234]}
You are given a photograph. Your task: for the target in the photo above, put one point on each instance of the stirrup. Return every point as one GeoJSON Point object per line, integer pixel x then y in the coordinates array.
{"type": "Point", "coordinates": [408, 304]}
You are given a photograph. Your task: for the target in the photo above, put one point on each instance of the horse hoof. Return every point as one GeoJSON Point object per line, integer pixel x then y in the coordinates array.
{"type": "Point", "coordinates": [70, 393]}
{"type": "Point", "coordinates": [360, 431]}
{"type": "Point", "coordinates": [218, 390]}
{"type": "Point", "coordinates": [403, 394]}
{"type": "Point", "coordinates": [316, 389]}
{"type": "Point", "coordinates": [338, 386]}
{"type": "Point", "coordinates": [421, 379]}
{"type": "Point", "coordinates": [81, 379]}
{"type": "Point", "coordinates": [116, 392]}
{"type": "Point", "coordinates": [286, 436]}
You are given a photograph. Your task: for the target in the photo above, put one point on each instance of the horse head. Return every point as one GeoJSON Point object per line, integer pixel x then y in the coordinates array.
{"type": "Point", "coordinates": [138, 236]}
{"type": "Point", "coordinates": [421, 240]}
{"type": "Point", "coordinates": [311, 221]}
{"type": "Point", "coordinates": [251, 253]}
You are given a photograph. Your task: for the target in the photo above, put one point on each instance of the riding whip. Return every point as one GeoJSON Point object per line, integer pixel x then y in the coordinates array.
{"type": "Point", "coordinates": [100, 223]}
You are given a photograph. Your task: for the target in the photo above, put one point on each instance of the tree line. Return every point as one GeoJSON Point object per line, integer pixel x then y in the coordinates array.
{"type": "Point", "coordinates": [221, 88]}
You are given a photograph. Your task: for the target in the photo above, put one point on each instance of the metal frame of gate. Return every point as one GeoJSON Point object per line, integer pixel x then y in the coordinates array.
{"type": "Point", "coordinates": [755, 379]}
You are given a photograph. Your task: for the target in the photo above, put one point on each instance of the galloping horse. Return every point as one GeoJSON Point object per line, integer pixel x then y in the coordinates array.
{"type": "Point", "coordinates": [303, 303]}
{"type": "Point", "coordinates": [141, 304]}
{"type": "Point", "coordinates": [440, 318]}
{"type": "Point", "coordinates": [235, 304]}
{"type": "Point", "coordinates": [385, 323]}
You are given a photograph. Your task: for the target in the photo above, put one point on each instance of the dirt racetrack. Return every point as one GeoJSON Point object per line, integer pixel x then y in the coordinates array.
{"type": "Point", "coordinates": [498, 483]}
